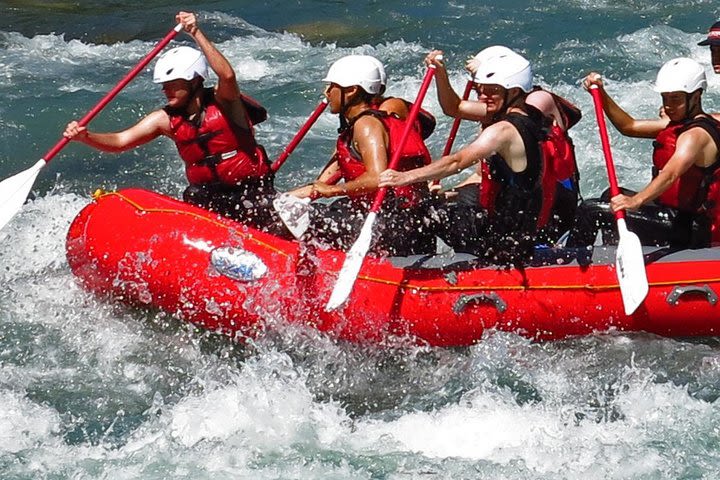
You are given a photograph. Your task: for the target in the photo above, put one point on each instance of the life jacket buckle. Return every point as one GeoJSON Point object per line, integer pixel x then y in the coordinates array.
{"type": "Point", "coordinates": [230, 154]}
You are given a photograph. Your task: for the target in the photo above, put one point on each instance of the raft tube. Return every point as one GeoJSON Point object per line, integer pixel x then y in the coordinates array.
{"type": "Point", "coordinates": [144, 248]}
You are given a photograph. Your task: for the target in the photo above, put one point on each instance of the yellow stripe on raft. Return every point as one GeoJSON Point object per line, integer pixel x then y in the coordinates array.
{"type": "Point", "coordinates": [97, 195]}
{"type": "Point", "coordinates": [423, 288]}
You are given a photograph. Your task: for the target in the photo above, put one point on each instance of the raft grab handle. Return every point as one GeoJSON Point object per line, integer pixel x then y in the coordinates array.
{"type": "Point", "coordinates": [465, 300]}
{"type": "Point", "coordinates": [678, 291]}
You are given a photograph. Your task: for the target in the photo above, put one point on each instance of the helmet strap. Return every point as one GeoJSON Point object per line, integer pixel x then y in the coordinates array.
{"type": "Point", "coordinates": [692, 109]}
{"type": "Point", "coordinates": [195, 88]}
{"type": "Point", "coordinates": [196, 85]}
{"type": "Point", "coordinates": [511, 102]}
{"type": "Point", "coordinates": [346, 104]}
{"type": "Point", "coordinates": [508, 103]}
{"type": "Point", "coordinates": [343, 107]}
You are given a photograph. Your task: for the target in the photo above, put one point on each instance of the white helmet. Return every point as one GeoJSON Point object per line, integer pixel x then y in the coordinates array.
{"type": "Point", "coordinates": [180, 62]}
{"type": "Point", "coordinates": [680, 75]}
{"type": "Point", "coordinates": [489, 52]}
{"type": "Point", "coordinates": [381, 69]}
{"type": "Point", "coordinates": [503, 67]}
{"type": "Point", "coordinates": [361, 70]}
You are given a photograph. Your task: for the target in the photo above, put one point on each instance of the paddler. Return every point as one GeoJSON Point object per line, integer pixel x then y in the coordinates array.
{"type": "Point", "coordinates": [363, 150]}
{"type": "Point", "coordinates": [212, 127]}
{"type": "Point", "coordinates": [395, 106]}
{"type": "Point", "coordinates": [564, 115]}
{"type": "Point", "coordinates": [713, 41]}
{"type": "Point", "coordinates": [680, 207]}
{"type": "Point", "coordinates": [502, 225]}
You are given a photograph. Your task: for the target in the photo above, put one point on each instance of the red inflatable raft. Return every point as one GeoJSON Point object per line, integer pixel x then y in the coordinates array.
{"type": "Point", "coordinates": [141, 247]}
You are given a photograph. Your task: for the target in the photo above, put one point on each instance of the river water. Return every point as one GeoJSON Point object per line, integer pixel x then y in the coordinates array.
{"type": "Point", "coordinates": [95, 390]}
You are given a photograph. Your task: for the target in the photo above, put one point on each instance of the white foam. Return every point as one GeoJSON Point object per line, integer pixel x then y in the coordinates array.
{"type": "Point", "coordinates": [34, 240]}
{"type": "Point", "coordinates": [24, 424]}
{"type": "Point", "coordinates": [266, 407]}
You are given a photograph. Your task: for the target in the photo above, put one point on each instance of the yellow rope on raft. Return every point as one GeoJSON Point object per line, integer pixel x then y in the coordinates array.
{"type": "Point", "coordinates": [99, 193]}
{"type": "Point", "coordinates": [464, 288]}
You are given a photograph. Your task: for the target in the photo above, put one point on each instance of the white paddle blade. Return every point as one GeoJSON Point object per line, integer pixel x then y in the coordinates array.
{"type": "Point", "coordinates": [15, 190]}
{"type": "Point", "coordinates": [351, 267]}
{"type": "Point", "coordinates": [630, 267]}
{"type": "Point", "coordinates": [294, 212]}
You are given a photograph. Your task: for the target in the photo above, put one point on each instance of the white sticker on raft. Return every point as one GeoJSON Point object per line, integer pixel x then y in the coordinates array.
{"type": "Point", "coordinates": [238, 264]}
{"type": "Point", "coordinates": [201, 245]}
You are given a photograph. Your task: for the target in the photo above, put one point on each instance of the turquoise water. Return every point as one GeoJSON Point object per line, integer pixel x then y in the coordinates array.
{"type": "Point", "coordinates": [92, 390]}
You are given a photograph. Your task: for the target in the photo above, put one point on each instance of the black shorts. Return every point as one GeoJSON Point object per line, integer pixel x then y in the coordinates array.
{"type": "Point", "coordinates": [654, 224]}
{"type": "Point", "coordinates": [468, 228]}
{"type": "Point", "coordinates": [248, 202]}
{"type": "Point", "coordinates": [396, 232]}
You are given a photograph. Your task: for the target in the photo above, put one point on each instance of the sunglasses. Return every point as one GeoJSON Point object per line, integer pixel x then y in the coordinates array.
{"type": "Point", "coordinates": [488, 90]}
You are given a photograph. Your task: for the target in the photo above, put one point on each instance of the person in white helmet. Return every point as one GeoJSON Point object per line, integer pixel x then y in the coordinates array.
{"type": "Point", "coordinates": [363, 149]}
{"type": "Point", "coordinates": [680, 206]}
{"type": "Point", "coordinates": [713, 41]}
{"type": "Point", "coordinates": [501, 227]}
{"type": "Point", "coordinates": [227, 169]}
{"type": "Point", "coordinates": [563, 114]}
{"type": "Point", "coordinates": [395, 106]}
{"type": "Point", "coordinates": [399, 106]}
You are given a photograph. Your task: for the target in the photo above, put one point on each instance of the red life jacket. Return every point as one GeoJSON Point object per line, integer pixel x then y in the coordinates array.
{"type": "Point", "coordinates": [414, 154]}
{"type": "Point", "coordinates": [559, 170]}
{"type": "Point", "coordinates": [564, 164]}
{"type": "Point", "coordinates": [533, 190]}
{"type": "Point", "coordinates": [559, 150]}
{"type": "Point", "coordinates": [214, 149]}
{"type": "Point", "coordinates": [425, 123]}
{"type": "Point", "coordinates": [698, 189]}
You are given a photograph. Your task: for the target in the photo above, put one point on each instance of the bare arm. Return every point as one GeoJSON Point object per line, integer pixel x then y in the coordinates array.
{"type": "Point", "coordinates": [623, 121]}
{"type": "Point", "coordinates": [693, 147]}
{"type": "Point", "coordinates": [227, 91]}
{"type": "Point", "coordinates": [496, 138]}
{"type": "Point", "coordinates": [150, 127]}
{"type": "Point", "coordinates": [450, 102]}
{"type": "Point", "coordinates": [370, 139]}
{"type": "Point", "coordinates": [329, 171]}
{"type": "Point", "coordinates": [474, 110]}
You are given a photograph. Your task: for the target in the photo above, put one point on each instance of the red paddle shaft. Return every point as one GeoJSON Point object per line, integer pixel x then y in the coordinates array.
{"type": "Point", "coordinates": [116, 89]}
{"type": "Point", "coordinates": [409, 125]}
{"type": "Point", "coordinates": [609, 164]}
{"type": "Point", "coordinates": [299, 136]}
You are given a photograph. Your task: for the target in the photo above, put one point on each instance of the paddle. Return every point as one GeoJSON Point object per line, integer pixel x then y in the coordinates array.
{"type": "Point", "coordinates": [354, 258]}
{"type": "Point", "coordinates": [295, 212]}
{"type": "Point", "coordinates": [435, 184]}
{"type": "Point", "coordinates": [456, 122]}
{"type": "Point", "coordinates": [299, 135]}
{"type": "Point", "coordinates": [15, 190]}
{"type": "Point", "coordinates": [629, 260]}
